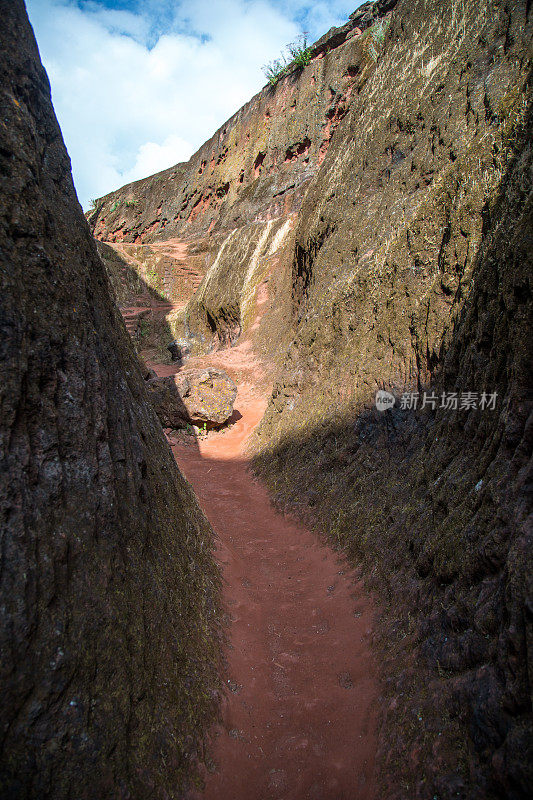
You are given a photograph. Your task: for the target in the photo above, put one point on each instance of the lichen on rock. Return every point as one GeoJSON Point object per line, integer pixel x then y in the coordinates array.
{"type": "Point", "coordinates": [193, 396]}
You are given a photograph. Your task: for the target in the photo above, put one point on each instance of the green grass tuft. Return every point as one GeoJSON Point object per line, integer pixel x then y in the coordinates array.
{"type": "Point", "coordinates": [297, 56]}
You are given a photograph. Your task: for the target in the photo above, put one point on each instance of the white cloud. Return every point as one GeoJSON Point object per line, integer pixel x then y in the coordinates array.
{"type": "Point", "coordinates": [153, 157]}
{"type": "Point", "coordinates": [132, 99]}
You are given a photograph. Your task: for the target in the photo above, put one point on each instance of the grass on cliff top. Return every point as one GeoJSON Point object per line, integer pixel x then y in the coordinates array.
{"type": "Point", "coordinates": [297, 56]}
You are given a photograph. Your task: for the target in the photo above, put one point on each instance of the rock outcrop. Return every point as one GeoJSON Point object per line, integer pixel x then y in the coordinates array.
{"type": "Point", "coordinates": [366, 223]}
{"type": "Point", "coordinates": [193, 396]}
{"type": "Point", "coordinates": [108, 618]}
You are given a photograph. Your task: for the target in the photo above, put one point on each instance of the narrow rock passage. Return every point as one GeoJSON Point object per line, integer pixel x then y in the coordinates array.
{"type": "Point", "coordinates": [300, 714]}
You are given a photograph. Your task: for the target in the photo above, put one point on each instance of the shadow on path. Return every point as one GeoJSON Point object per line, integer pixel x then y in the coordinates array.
{"type": "Point", "coordinates": [299, 718]}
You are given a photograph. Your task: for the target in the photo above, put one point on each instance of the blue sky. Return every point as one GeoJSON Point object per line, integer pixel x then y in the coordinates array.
{"type": "Point", "coordinates": [139, 85]}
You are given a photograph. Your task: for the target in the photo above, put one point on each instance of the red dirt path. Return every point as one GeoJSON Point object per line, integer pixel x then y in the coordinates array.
{"type": "Point", "coordinates": [299, 718]}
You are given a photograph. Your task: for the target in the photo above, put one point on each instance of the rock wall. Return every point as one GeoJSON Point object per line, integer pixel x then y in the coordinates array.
{"type": "Point", "coordinates": [412, 272]}
{"type": "Point", "coordinates": [437, 508]}
{"type": "Point", "coordinates": [224, 307]}
{"type": "Point", "coordinates": [108, 619]}
{"type": "Point", "coordinates": [392, 224]}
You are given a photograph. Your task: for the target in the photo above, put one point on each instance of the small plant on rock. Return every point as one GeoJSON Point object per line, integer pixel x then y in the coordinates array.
{"type": "Point", "coordinates": [275, 70]}
{"type": "Point", "coordinates": [299, 52]}
{"type": "Point", "coordinates": [376, 37]}
{"type": "Point", "coordinates": [297, 56]}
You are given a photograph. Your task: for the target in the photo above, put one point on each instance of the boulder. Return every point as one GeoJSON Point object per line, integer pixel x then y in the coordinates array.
{"type": "Point", "coordinates": [179, 350]}
{"type": "Point", "coordinates": [193, 396]}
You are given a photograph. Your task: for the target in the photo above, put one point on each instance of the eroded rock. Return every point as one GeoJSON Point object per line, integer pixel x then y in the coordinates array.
{"type": "Point", "coordinates": [193, 395]}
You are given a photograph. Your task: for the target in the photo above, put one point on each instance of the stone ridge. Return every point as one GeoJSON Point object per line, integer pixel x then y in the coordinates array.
{"type": "Point", "coordinates": [257, 165]}
{"type": "Point", "coordinates": [363, 18]}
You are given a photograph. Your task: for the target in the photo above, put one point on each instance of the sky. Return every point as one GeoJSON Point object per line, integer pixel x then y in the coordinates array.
{"type": "Point", "coordinates": [139, 85]}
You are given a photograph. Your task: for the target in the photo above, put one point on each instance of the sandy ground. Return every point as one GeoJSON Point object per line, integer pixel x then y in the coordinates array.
{"type": "Point", "coordinates": [299, 717]}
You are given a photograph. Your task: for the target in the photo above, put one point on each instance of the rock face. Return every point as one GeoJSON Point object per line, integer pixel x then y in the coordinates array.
{"type": "Point", "coordinates": [437, 506]}
{"type": "Point", "coordinates": [373, 232]}
{"type": "Point", "coordinates": [257, 165]}
{"type": "Point", "coordinates": [233, 205]}
{"type": "Point", "coordinates": [108, 618]}
{"type": "Point", "coordinates": [193, 395]}
{"type": "Point", "coordinates": [412, 273]}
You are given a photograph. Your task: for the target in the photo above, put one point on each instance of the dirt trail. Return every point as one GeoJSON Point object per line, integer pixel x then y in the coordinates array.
{"type": "Point", "coordinates": [300, 714]}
